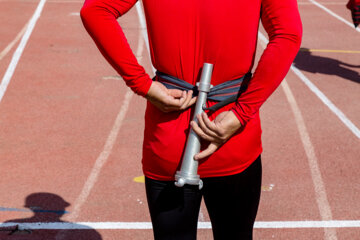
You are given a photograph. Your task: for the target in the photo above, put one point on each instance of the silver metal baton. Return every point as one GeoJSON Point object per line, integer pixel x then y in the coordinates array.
{"type": "Point", "coordinates": [188, 171]}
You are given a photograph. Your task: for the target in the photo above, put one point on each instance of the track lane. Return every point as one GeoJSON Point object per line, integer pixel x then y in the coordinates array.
{"type": "Point", "coordinates": [13, 16]}
{"type": "Point", "coordinates": [85, 94]}
{"type": "Point", "coordinates": [331, 71]}
{"type": "Point", "coordinates": [353, 151]}
{"type": "Point", "coordinates": [53, 119]}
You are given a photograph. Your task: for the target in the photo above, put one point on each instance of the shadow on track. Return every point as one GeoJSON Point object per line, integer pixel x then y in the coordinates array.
{"type": "Point", "coordinates": [46, 207]}
{"type": "Point", "coordinates": [306, 61]}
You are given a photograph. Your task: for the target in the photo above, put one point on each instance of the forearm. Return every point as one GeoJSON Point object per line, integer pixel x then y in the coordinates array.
{"type": "Point", "coordinates": [99, 18]}
{"type": "Point", "coordinates": [283, 25]}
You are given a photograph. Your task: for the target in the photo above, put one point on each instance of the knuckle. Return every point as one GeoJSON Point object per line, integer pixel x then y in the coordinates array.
{"type": "Point", "coordinates": [207, 132]}
{"type": "Point", "coordinates": [222, 138]}
{"type": "Point", "coordinates": [221, 132]}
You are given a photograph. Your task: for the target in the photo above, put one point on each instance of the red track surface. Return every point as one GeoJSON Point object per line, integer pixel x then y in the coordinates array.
{"type": "Point", "coordinates": [63, 101]}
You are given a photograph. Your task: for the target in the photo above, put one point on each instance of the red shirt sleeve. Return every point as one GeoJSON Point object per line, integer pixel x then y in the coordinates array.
{"type": "Point", "coordinates": [281, 21]}
{"type": "Point", "coordinates": [99, 18]}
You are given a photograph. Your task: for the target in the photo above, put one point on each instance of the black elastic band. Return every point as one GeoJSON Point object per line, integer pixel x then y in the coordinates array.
{"type": "Point", "coordinates": [224, 93]}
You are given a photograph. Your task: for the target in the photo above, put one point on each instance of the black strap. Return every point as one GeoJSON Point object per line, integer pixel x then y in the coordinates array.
{"type": "Point", "coordinates": [224, 93]}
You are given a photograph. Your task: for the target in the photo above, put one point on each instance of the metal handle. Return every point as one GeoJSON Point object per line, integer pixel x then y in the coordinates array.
{"type": "Point", "coordinates": [188, 171]}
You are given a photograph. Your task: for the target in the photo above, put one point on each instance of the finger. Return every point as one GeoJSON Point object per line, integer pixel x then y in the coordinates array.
{"type": "Point", "coordinates": [171, 108]}
{"type": "Point", "coordinates": [207, 152]}
{"type": "Point", "coordinates": [200, 132]}
{"type": "Point", "coordinates": [187, 100]}
{"type": "Point", "coordinates": [182, 99]}
{"type": "Point", "coordinates": [175, 93]}
{"type": "Point", "coordinates": [205, 128]}
{"type": "Point", "coordinates": [192, 101]}
{"type": "Point", "coordinates": [175, 103]}
{"type": "Point", "coordinates": [209, 124]}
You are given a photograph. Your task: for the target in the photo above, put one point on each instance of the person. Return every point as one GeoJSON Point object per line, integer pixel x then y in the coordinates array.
{"type": "Point", "coordinates": [183, 35]}
{"type": "Point", "coordinates": [354, 7]}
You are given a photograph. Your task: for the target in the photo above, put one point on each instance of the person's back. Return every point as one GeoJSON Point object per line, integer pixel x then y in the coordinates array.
{"type": "Point", "coordinates": [184, 35]}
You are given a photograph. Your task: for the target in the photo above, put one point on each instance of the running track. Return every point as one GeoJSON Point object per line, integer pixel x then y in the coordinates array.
{"type": "Point", "coordinates": [69, 128]}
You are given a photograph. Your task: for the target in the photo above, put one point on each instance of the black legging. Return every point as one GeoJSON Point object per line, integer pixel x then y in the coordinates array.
{"type": "Point", "coordinates": [231, 201]}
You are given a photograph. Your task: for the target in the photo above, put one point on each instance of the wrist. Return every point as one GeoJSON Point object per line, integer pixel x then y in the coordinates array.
{"type": "Point", "coordinates": [238, 117]}
{"type": "Point", "coordinates": [234, 119]}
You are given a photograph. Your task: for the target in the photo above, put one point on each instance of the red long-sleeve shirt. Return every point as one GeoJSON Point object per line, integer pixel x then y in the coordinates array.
{"type": "Point", "coordinates": [183, 34]}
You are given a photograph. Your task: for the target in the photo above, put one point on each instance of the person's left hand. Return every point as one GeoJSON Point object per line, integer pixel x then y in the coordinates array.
{"type": "Point", "coordinates": [217, 132]}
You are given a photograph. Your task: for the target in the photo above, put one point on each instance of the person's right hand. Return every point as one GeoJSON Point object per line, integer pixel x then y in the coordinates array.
{"type": "Point", "coordinates": [168, 100]}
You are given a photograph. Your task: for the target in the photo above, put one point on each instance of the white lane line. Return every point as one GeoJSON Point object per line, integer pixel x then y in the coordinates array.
{"type": "Point", "coordinates": [13, 42]}
{"type": "Point", "coordinates": [350, 125]}
{"type": "Point", "coordinates": [142, 22]}
{"type": "Point", "coordinates": [318, 183]}
{"type": "Point", "coordinates": [320, 192]}
{"type": "Point", "coordinates": [201, 225]}
{"type": "Point", "coordinates": [102, 158]}
{"type": "Point", "coordinates": [335, 15]}
{"type": "Point", "coordinates": [104, 155]}
{"type": "Point", "coordinates": [144, 29]}
{"type": "Point", "coordinates": [18, 52]}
